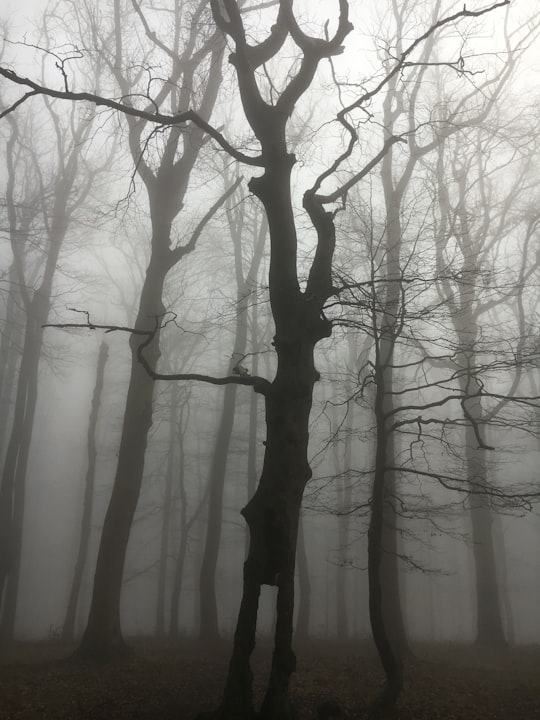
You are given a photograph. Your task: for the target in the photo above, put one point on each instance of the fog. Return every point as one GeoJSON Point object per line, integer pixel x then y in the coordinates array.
{"type": "Point", "coordinates": [317, 277]}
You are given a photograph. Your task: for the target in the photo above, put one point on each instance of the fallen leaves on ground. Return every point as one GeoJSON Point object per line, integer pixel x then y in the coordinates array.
{"type": "Point", "coordinates": [40, 681]}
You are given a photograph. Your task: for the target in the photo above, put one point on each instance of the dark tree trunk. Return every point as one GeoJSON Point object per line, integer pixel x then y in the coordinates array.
{"type": "Point", "coordinates": [167, 512]}
{"type": "Point", "coordinates": [272, 514]}
{"type": "Point", "coordinates": [103, 638]}
{"type": "Point", "coordinates": [392, 596]}
{"type": "Point", "coordinates": [86, 520]}
{"type": "Point", "coordinates": [253, 412]}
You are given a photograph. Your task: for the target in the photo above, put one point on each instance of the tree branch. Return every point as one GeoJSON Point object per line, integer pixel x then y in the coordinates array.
{"type": "Point", "coordinates": [259, 384]}
{"type": "Point", "coordinates": [156, 117]}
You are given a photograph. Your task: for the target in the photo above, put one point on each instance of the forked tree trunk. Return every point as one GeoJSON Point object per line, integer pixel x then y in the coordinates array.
{"type": "Point", "coordinates": [86, 520]}
{"type": "Point", "coordinates": [272, 516]}
{"type": "Point", "coordinates": [273, 513]}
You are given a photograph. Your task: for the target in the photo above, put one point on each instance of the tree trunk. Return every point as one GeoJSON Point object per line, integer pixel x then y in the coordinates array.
{"type": "Point", "coordinates": [86, 521]}
{"type": "Point", "coordinates": [167, 512]}
{"type": "Point", "coordinates": [380, 620]}
{"type": "Point", "coordinates": [505, 589]}
{"type": "Point", "coordinates": [344, 494]}
{"type": "Point", "coordinates": [12, 493]}
{"type": "Point", "coordinates": [209, 626]}
{"type": "Point", "coordinates": [10, 342]}
{"type": "Point", "coordinates": [103, 637]}
{"type": "Point", "coordinates": [272, 516]}
{"type": "Point", "coordinates": [184, 531]}
{"type": "Point", "coordinates": [304, 586]}
{"type": "Point", "coordinates": [489, 623]}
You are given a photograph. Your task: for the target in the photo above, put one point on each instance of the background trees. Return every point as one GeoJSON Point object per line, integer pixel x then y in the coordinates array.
{"type": "Point", "coordinates": [426, 381]}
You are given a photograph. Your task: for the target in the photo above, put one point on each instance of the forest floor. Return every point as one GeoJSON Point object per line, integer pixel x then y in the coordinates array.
{"type": "Point", "coordinates": [39, 681]}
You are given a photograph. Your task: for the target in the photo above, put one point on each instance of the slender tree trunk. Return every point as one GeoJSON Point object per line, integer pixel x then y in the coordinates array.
{"type": "Point", "coordinates": [490, 628]}
{"type": "Point", "coordinates": [209, 625]}
{"type": "Point", "coordinates": [167, 512]}
{"type": "Point", "coordinates": [13, 490]}
{"type": "Point", "coordinates": [392, 595]}
{"type": "Point", "coordinates": [86, 521]}
{"type": "Point", "coordinates": [184, 532]}
{"type": "Point", "coordinates": [304, 586]}
{"type": "Point", "coordinates": [10, 352]}
{"type": "Point", "coordinates": [387, 620]}
{"type": "Point", "coordinates": [344, 492]}
{"type": "Point", "coordinates": [379, 619]}
{"type": "Point", "coordinates": [253, 412]}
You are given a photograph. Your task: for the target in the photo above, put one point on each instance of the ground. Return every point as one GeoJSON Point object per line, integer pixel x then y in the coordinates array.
{"type": "Point", "coordinates": [38, 681]}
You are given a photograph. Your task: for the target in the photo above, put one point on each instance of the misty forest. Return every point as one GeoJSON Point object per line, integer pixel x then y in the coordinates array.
{"type": "Point", "coordinates": [269, 360]}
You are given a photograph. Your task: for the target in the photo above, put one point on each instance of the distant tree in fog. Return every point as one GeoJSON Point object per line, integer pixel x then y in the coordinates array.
{"type": "Point", "coordinates": [479, 226]}
{"type": "Point", "coordinates": [396, 276]}
{"type": "Point", "coordinates": [68, 627]}
{"type": "Point", "coordinates": [46, 187]}
{"type": "Point", "coordinates": [164, 162]}
{"type": "Point", "coordinates": [246, 274]}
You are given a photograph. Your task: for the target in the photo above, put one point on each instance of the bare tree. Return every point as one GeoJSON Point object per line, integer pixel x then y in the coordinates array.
{"type": "Point", "coordinates": [474, 225]}
{"type": "Point", "coordinates": [246, 280]}
{"type": "Point", "coordinates": [272, 514]}
{"type": "Point", "coordinates": [52, 194]}
{"type": "Point", "coordinates": [68, 628]}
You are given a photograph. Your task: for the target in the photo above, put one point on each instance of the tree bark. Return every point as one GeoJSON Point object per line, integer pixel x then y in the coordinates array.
{"type": "Point", "coordinates": [167, 512]}
{"type": "Point", "coordinates": [103, 638]}
{"type": "Point", "coordinates": [86, 520]}
{"type": "Point", "coordinates": [184, 532]}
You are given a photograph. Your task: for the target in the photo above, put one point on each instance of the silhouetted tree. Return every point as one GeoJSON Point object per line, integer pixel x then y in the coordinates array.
{"type": "Point", "coordinates": [86, 520]}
